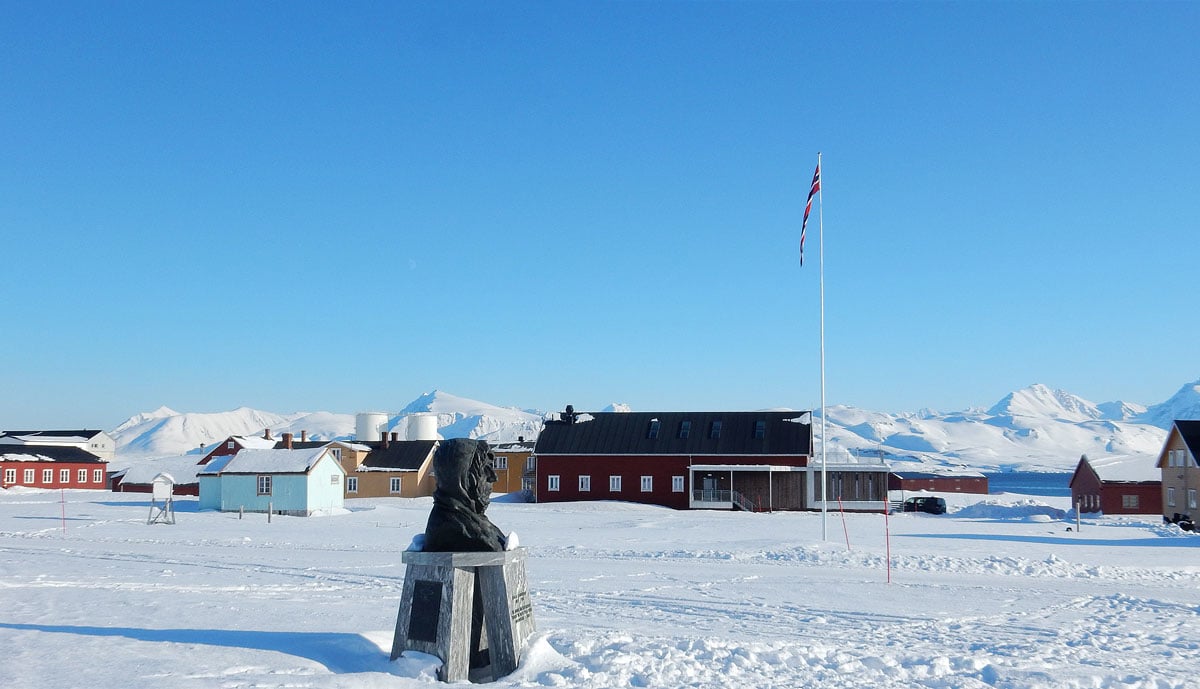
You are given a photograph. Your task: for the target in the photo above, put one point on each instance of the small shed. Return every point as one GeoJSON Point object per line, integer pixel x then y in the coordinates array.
{"type": "Point", "coordinates": [294, 482]}
{"type": "Point", "coordinates": [1121, 484]}
{"type": "Point", "coordinates": [139, 478]}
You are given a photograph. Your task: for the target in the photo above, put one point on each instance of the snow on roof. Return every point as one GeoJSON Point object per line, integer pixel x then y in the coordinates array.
{"type": "Point", "coordinates": [182, 469]}
{"type": "Point", "coordinates": [256, 442]}
{"type": "Point", "coordinates": [1126, 468]}
{"type": "Point", "coordinates": [273, 461]}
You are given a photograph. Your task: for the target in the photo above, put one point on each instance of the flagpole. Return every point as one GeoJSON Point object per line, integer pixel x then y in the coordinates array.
{"type": "Point", "coordinates": [824, 437]}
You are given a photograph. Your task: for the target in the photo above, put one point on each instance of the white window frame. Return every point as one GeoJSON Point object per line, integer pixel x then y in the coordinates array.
{"type": "Point", "coordinates": [614, 484]}
{"type": "Point", "coordinates": [230, 445]}
{"type": "Point", "coordinates": [501, 463]}
{"type": "Point", "coordinates": [552, 482]}
{"type": "Point", "coordinates": [64, 475]}
{"type": "Point", "coordinates": [81, 475]}
{"type": "Point", "coordinates": [97, 476]}
{"type": "Point", "coordinates": [47, 476]}
{"type": "Point", "coordinates": [1191, 498]}
{"type": "Point", "coordinates": [395, 485]}
{"type": "Point", "coordinates": [30, 475]}
{"type": "Point", "coordinates": [264, 484]}
{"type": "Point", "coordinates": [647, 484]}
{"type": "Point", "coordinates": [585, 483]}
{"type": "Point", "coordinates": [351, 484]}
{"type": "Point", "coordinates": [10, 475]}
{"type": "Point", "coordinates": [1129, 502]}
{"type": "Point", "coordinates": [677, 484]}
{"type": "Point", "coordinates": [1170, 496]}
{"type": "Point", "coordinates": [335, 479]}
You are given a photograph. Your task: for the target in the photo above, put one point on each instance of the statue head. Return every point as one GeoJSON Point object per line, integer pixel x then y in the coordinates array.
{"type": "Point", "coordinates": [465, 473]}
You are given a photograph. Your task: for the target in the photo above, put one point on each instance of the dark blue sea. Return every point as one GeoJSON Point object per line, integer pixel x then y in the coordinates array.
{"type": "Point", "coordinates": [1029, 483]}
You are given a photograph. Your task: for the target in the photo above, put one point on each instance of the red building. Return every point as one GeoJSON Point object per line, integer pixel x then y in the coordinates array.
{"type": "Point", "coordinates": [1125, 484]}
{"type": "Point", "coordinates": [717, 460]}
{"type": "Point", "coordinates": [938, 482]}
{"type": "Point", "coordinates": [51, 466]}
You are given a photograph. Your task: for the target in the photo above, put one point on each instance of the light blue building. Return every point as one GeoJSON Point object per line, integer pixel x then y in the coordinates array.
{"type": "Point", "coordinates": [295, 482]}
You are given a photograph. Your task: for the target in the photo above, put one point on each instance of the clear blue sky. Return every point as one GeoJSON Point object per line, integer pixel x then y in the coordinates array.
{"type": "Point", "coordinates": [339, 206]}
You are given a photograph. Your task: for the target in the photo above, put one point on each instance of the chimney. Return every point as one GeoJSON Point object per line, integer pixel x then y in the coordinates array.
{"type": "Point", "coordinates": [287, 441]}
{"type": "Point", "coordinates": [520, 438]}
{"type": "Point", "coordinates": [383, 438]}
{"type": "Point", "coordinates": [266, 434]}
{"type": "Point", "coordinates": [303, 436]}
{"type": "Point", "coordinates": [395, 436]}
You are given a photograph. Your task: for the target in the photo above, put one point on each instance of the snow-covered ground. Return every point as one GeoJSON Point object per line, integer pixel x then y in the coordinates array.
{"type": "Point", "coordinates": [997, 593]}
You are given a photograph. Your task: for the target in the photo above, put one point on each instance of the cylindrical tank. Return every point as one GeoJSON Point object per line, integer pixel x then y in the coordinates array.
{"type": "Point", "coordinates": [369, 424]}
{"type": "Point", "coordinates": [422, 427]}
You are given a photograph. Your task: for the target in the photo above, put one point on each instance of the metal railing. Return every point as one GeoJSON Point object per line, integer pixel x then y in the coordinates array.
{"type": "Point", "coordinates": [702, 496]}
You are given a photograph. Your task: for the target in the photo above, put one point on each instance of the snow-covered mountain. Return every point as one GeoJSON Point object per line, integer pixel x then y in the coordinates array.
{"type": "Point", "coordinates": [1035, 428]}
{"type": "Point", "coordinates": [164, 431]}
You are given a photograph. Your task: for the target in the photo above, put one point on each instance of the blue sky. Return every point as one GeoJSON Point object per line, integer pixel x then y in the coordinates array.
{"type": "Point", "coordinates": [306, 206]}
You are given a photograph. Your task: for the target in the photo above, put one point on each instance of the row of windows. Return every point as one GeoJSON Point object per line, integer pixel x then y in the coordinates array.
{"type": "Point", "coordinates": [394, 484]}
{"type": "Point", "coordinates": [1191, 498]}
{"type": "Point", "coordinates": [553, 483]}
{"type": "Point", "coordinates": [1178, 458]}
{"type": "Point", "coordinates": [714, 429]}
{"type": "Point", "coordinates": [64, 476]}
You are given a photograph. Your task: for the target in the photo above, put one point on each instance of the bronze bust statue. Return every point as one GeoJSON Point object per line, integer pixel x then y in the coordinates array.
{"type": "Point", "coordinates": [465, 471]}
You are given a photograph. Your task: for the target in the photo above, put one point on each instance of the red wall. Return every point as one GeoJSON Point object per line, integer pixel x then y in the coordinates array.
{"type": "Point", "coordinates": [631, 469]}
{"type": "Point", "coordinates": [1085, 483]}
{"type": "Point", "coordinates": [73, 474]}
{"type": "Point", "coordinates": [947, 484]}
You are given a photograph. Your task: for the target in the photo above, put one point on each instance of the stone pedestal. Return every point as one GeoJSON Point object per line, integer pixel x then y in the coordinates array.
{"type": "Point", "coordinates": [465, 607]}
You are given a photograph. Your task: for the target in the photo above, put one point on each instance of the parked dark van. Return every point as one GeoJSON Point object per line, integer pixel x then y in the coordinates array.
{"type": "Point", "coordinates": [930, 505]}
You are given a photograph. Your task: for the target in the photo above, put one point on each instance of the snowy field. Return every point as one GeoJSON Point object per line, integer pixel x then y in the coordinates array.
{"type": "Point", "coordinates": [995, 594]}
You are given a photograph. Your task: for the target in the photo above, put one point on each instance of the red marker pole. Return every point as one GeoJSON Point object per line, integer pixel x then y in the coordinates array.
{"type": "Point", "coordinates": [887, 537]}
{"type": "Point", "coordinates": [842, 509]}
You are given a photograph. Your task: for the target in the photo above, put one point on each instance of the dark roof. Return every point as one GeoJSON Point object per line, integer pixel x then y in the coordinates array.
{"type": "Point", "coordinates": [928, 475]}
{"type": "Point", "coordinates": [628, 433]}
{"type": "Point", "coordinates": [302, 445]}
{"type": "Point", "coordinates": [53, 434]}
{"type": "Point", "coordinates": [1190, 430]}
{"type": "Point", "coordinates": [55, 453]}
{"type": "Point", "coordinates": [400, 455]}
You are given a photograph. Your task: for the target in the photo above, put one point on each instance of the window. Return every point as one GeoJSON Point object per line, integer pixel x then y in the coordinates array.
{"type": "Point", "coordinates": [64, 475]}
{"type": "Point", "coordinates": [337, 453]}
{"type": "Point", "coordinates": [760, 430]}
{"type": "Point", "coordinates": [97, 476]}
{"type": "Point", "coordinates": [264, 485]}
{"type": "Point", "coordinates": [10, 475]}
{"type": "Point", "coordinates": [676, 484]}
{"type": "Point", "coordinates": [47, 476]}
{"type": "Point", "coordinates": [714, 431]}
{"type": "Point", "coordinates": [351, 484]}
{"type": "Point", "coordinates": [527, 484]}
{"type": "Point", "coordinates": [654, 426]}
{"type": "Point", "coordinates": [335, 479]}
{"type": "Point", "coordinates": [1171, 496]}
{"type": "Point", "coordinates": [647, 484]}
{"type": "Point", "coordinates": [229, 445]}
{"type": "Point", "coordinates": [394, 485]}
{"type": "Point", "coordinates": [552, 482]}
{"type": "Point", "coordinates": [614, 484]}
{"type": "Point", "coordinates": [685, 429]}
{"type": "Point", "coordinates": [29, 476]}
{"type": "Point", "coordinates": [502, 462]}
{"type": "Point", "coordinates": [585, 483]}
{"type": "Point", "coordinates": [82, 475]}
{"type": "Point", "coordinates": [1191, 498]}
{"type": "Point", "coordinates": [1129, 502]}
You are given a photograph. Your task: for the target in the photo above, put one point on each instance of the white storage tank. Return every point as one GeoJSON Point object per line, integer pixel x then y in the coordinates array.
{"type": "Point", "coordinates": [369, 425]}
{"type": "Point", "coordinates": [422, 427]}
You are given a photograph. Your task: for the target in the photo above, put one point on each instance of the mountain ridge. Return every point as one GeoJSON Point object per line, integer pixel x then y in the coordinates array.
{"type": "Point", "coordinates": [1035, 428]}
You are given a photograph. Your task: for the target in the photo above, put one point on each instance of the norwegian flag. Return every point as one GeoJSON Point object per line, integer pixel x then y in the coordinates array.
{"type": "Point", "coordinates": [816, 186]}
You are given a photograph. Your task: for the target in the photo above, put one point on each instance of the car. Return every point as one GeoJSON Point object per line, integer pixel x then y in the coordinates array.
{"type": "Point", "coordinates": [929, 505]}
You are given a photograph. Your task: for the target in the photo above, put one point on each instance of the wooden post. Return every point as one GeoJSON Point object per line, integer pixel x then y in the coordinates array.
{"type": "Point", "coordinates": [457, 605]}
{"type": "Point", "coordinates": [270, 509]}
{"type": "Point", "coordinates": [241, 511]}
